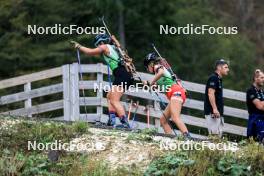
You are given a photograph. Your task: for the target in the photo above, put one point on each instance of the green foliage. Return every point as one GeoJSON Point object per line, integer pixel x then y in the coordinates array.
{"type": "Point", "coordinates": [17, 136]}
{"type": "Point", "coordinates": [230, 166]}
{"type": "Point", "coordinates": [248, 160]}
{"type": "Point", "coordinates": [209, 163]}
{"type": "Point", "coordinates": [143, 135]}
{"type": "Point", "coordinates": [19, 163]}
{"type": "Point", "coordinates": [149, 131]}
{"type": "Point", "coordinates": [139, 136]}
{"type": "Point", "coordinates": [14, 163]}
{"type": "Point", "coordinates": [253, 153]}
{"type": "Point", "coordinates": [80, 127]}
{"type": "Point", "coordinates": [168, 164]}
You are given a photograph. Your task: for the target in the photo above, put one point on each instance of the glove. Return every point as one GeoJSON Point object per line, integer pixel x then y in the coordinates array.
{"type": "Point", "coordinates": [76, 44]}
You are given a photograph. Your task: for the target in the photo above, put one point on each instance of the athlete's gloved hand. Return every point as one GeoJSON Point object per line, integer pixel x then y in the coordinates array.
{"type": "Point", "coordinates": [75, 44]}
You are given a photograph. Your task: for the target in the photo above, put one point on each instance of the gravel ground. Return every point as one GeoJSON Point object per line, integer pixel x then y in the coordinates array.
{"type": "Point", "coordinates": [120, 148]}
{"type": "Point", "coordinates": [128, 149]}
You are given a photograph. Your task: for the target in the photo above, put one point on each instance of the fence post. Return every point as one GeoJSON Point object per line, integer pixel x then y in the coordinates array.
{"type": "Point", "coordinates": [156, 108]}
{"type": "Point", "coordinates": [99, 94]}
{"type": "Point", "coordinates": [66, 92]}
{"type": "Point", "coordinates": [28, 103]}
{"type": "Point", "coordinates": [74, 92]}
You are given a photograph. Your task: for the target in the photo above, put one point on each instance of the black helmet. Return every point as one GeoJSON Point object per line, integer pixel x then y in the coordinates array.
{"type": "Point", "coordinates": [101, 38]}
{"type": "Point", "coordinates": [149, 58]}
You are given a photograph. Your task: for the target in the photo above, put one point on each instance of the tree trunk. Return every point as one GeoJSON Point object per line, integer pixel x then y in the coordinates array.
{"type": "Point", "coordinates": [121, 26]}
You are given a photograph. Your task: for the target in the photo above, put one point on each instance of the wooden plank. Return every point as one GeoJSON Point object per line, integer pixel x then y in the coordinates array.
{"type": "Point", "coordinates": [93, 68]}
{"type": "Point", "coordinates": [89, 117]}
{"type": "Point", "coordinates": [66, 92]}
{"type": "Point", "coordinates": [95, 85]}
{"type": "Point", "coordinates": [74, 88]}
{"type": "Point", "coordinates": [90, 101]}
{"type": "Point", "coordinates": [58, 118]}
{"type": "Point", "coordinates": [28, 103]}
{"type": "Point", "coordinates": [31, 77]}
{"type": "Point", "coordinates": [201, 122]}
{"type": "Point", "coordinates": [47, 90]}
{"type": "Point", "coordinates": [229, 111]}
{"type": "Point", "coordinates": [234, 129]}
{"type": "Point", "coordinates": [227, 93]}
{"type": "Point", "coordinates": [194, 121]}
{"type": "Point", "coordinates": [99, 94]}
{"type": "Point", "coordinates": [235, 95]}
{"type": "Point", "coordinates": [157, 123]}
{"type": "Point", "coordinates": [45, 107]}
{"type": "Point", "coordinates": [195, 87]}
{"type": "Point", "coordinates": [89, 68]}
{"type": "Point", "coordinates": [235, 112]}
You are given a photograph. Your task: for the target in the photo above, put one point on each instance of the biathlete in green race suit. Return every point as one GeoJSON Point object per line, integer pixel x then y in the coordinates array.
{"type": "Point", "coordinates": [175, 93]}
{"type": "Point", "coordinates": [122, 78]}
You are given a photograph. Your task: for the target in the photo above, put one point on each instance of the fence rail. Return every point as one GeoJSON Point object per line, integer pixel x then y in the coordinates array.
{"type": "Point", "coordinates": [70, 84]}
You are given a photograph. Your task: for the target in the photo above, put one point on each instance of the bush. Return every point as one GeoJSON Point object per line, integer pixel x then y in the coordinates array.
{"type": "Point", "coordinates": [168, 164]}
{"type": "Point", "coordinates": [17, 136]}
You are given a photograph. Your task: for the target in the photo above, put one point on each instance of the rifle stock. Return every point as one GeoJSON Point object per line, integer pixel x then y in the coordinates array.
{"type": "Point", "coordinates": [165, 63]}
{"type": "Point", "coordinates": [126, 61]}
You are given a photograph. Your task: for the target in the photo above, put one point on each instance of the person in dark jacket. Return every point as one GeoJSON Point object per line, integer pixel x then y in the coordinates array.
{"type": "Point", "coordinates": [255, 105]}
{"type": "Point", "coordinates": [213, 103]}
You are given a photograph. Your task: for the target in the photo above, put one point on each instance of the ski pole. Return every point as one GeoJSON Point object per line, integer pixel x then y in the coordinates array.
{"type": "Point", "coordinates": [147, 108]}
{"type": "Point", "coordinates": [134, 116]}
{"type": "Point", "coordinates": [81, 77]}
{"type": "Point", "coordinates": [129, 110]}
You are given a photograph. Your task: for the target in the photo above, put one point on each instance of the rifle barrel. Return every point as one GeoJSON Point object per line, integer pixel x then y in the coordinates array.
{"type": "Point", "coordinates": [107, 30]}
{"type": "Point", "coordinates": [170, 69]}
{"type": "Point", "coordinates": [156, 50]}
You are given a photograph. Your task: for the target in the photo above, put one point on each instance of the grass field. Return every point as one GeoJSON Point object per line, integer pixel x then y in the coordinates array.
{"type": "Point", "coordinates": [124, 153]}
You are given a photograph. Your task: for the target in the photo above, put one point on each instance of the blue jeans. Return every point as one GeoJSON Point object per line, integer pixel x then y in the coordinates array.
{"type": "Point", "coordinates": [255, 126]}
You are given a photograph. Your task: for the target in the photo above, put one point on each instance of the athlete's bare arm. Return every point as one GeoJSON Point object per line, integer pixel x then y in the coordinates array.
{"type": "Point", "coordinates": [92, 51]}
{"type": "Point", "coordinates": [157, 76]}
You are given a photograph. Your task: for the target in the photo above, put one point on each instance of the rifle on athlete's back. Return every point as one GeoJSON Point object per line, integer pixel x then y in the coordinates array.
{"type": "Point", "coordinates": [125, 60]}
{"type": "Point", "coordinates": [164, 62]}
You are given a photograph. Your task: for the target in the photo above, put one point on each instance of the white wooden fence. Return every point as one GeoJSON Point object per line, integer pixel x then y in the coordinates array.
{"type": "Point", "coordinates": [72, 101]}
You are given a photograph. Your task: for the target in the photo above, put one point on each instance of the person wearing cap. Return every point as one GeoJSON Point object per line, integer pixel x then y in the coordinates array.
{"type": "Point", "coordinates": [255, 105]}
{"type": "Point", "coordinates": [213, 102]}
